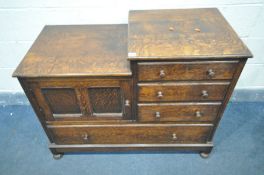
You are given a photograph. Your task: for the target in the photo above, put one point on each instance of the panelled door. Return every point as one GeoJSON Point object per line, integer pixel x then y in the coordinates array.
{"type": "Point", "coordinates": [90, 99]}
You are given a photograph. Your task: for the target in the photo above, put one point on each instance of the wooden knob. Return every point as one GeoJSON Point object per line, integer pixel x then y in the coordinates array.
{"type": "Point", "coordinates": [162, 74]}
{"type": "Point", "coordinates": [174, 136]}
{"type": "Point", "coordinates": [127, 103]}
{"type": "Point", "coordinates": [198, 114]}
{"type": "Point", "coordinates": [197, 30]}
{"type": "Point", "coordinates": [204, 94]}
{"type": "Point", "coordinates": [160, 94]}
{"type": "Point", "coordinates": [85, 136]}
{"type": "Point", "coordinates": [171, 28]}
{"type": "Point", "coordinates": [210, 73]}
{"type": "Point", "coordinates": [157, 114]}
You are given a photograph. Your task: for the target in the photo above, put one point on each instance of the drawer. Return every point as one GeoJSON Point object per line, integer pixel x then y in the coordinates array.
{"type": "Point", "coordinates": [130, 133]}
{"type": "Point", "coordinates": [151, 92]}
{"type": "Point", "coordinates": [186, 112]}
{"type": "Point", "coordinates": [196, 70]}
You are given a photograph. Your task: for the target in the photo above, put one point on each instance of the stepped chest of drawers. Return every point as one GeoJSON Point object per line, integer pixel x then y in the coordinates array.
{"type": "Point", "coordinates": [160, 84]}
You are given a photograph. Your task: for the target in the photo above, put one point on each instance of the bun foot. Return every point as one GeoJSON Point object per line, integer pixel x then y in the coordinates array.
{"type": "Point", "coordinates": [57, 156]}
{"type": "Point", "coordinates": [204, 155]}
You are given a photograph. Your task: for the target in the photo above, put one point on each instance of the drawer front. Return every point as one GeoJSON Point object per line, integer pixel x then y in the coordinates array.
{"type": "Point", "coordinates": [130, 134]}
{"type": "Point", "coordinates": [197, 70]}
{"type": "Point", "coordinates": [182, 91]}
{"type": "Point", "coordinates": [186, 112]}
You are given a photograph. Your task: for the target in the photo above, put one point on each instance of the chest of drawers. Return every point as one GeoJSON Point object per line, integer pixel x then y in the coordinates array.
{"type": "Point", "coordinates": [161, 84]}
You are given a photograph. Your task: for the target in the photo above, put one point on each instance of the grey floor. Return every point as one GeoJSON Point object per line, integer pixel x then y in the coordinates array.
{"type": "Point", "coordinates": [239, 149]}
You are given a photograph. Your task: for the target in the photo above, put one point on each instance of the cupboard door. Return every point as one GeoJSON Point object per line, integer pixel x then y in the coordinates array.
{"type": "Point", "coordinates": [84, 100]}
{"type": "Point", "coordinates": [110, 102]}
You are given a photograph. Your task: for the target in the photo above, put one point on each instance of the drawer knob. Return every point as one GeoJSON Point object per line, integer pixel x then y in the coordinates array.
{"type": "Point", "coordinates": [204, 94]}
{"type": "Point", "coordinates": [174, 136]}
{"type": "Point", "coordinates": [160, 94]}
{"type": "Point", "coordinates": [198, 114]}
{"type": "Point", "coordinates": [127, 103]}
{"type": "Point", "coordinates": [157, 114]}
{"type": "Point", "coordinates": [211, 73]}
{"type": "Point", "coordinates": [162, 74]}
{"type": "Point", "coordinates": [85, 137]}
{"type": "Point", "coordinates": [197, 30]}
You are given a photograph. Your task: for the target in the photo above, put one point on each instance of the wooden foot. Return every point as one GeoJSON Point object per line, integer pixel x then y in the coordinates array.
{"type": "Point", "coordinates": [57, 156]}
{"type": "Point", "coordinates": [204, 154]}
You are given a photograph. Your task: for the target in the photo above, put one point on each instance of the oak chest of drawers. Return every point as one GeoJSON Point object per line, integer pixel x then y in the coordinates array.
{"type": "Point", "coordinates": [161, 84]}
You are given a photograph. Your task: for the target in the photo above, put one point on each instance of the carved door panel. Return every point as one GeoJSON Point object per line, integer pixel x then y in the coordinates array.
{"type": "Point", "coordinates": [111, 101]}
{"type": "Point", "coordinates": [88, 100]}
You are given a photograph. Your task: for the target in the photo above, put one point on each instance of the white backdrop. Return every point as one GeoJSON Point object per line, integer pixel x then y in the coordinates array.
{"type": "Point", "coordinates": [22, 20]}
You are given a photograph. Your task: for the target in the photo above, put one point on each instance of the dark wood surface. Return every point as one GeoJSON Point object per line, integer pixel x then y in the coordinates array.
{"type": "Point", "coordinates": [61, 100]}
{"type": "Point", "coordinates": [131, 147]}
{"type": "Point", "coordinates": [130, 134]}
{"type": "Point", "coordinates": [82, 98]}
{"type": "Point", "coordinates": [182, 33]}
{"type": "Point", "coordinates": [81, 50]}
{"type": "Point", "coordinates": [181, 91]}
{"type": "Point", "coordinates": [192, 70]}
{"type": "Point", "coordinates": [86, 97]}
{"type": "Point", "coordinates": [178, 112]}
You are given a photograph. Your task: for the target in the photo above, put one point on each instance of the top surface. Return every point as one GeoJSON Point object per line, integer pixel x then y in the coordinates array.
{"type": "Point", "coordinates": [77, 50]}
{"type": "Point", "coordinates": [183, 33]}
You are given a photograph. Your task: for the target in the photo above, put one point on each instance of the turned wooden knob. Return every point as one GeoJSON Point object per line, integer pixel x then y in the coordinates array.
{"type": "Point", "coordinates": [171, 28]}
{"type": "Point", "coordinates": [174, 136]}
{"type": "Point", "coordinates": [162, 74]}
{"type": "Point", "coordinates": [197, 30]}
{"type": "Point", "coordinates": [198, 114]}
{"type": "Point", "coordinates": [157, 114]}
{"type": "Point", "coordinates": [85, 137]}
{"type": "Point", "coordinates": [204, 94]}
{"type": "Point", "coordinates": [160, 94]}
{"type": "Point", "coordinates": [211, 73]}
{"type": "Point", "coordinates": [127, 103]}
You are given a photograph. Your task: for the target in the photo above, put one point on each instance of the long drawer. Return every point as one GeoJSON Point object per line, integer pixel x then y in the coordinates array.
{"type": "Point", "coordinates": [151, 92]}
{"type": "Point", "coordinates": [196, 70]}
{"type": "Point", "coordinates": [130, 133]}
{"type": "Point", "coordinates": [185, 112]}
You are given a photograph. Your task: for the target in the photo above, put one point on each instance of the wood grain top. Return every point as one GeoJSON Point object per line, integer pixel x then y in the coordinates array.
{"type": "Point", "coordinates": [77, 50]}
{"type": "Point", "coordinates": [183, 33]}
